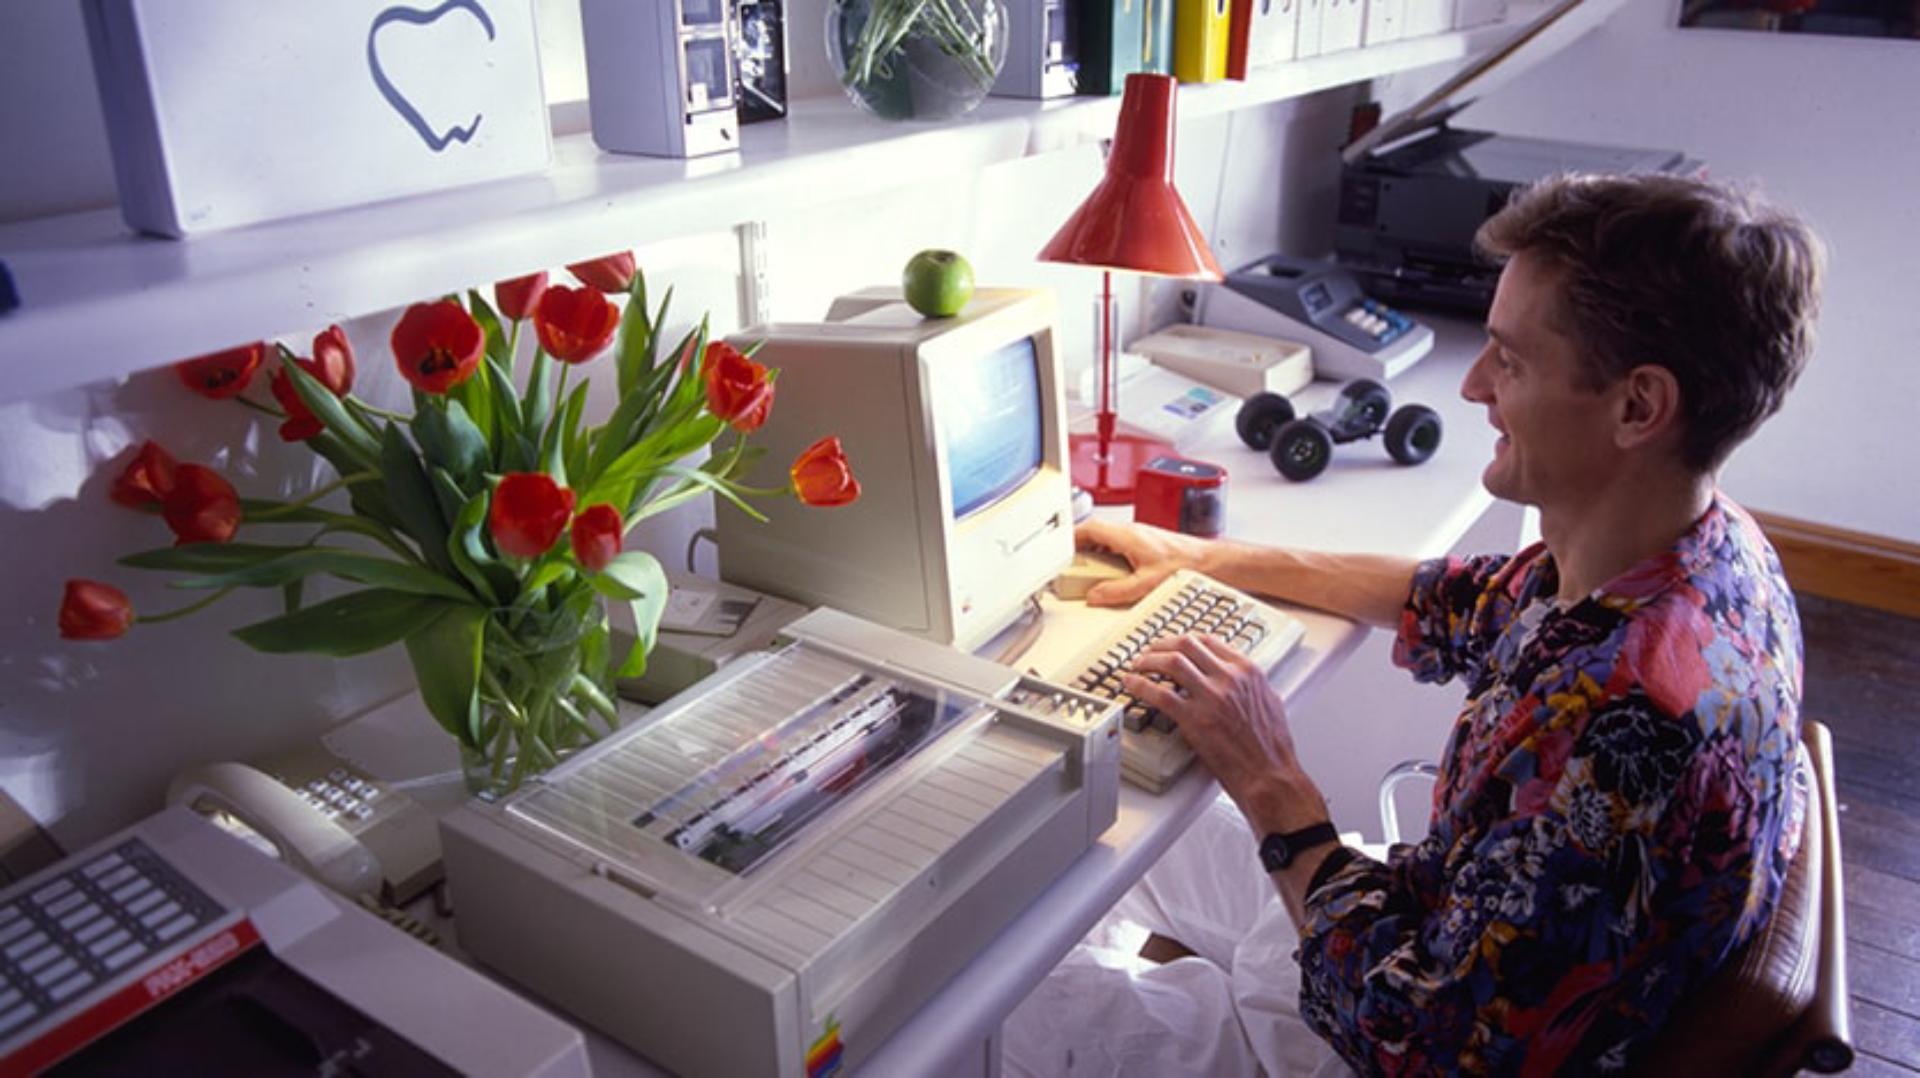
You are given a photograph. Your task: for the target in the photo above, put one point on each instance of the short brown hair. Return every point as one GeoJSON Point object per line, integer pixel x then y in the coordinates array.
{"type": "Point", "coordinates": [1716, 286]}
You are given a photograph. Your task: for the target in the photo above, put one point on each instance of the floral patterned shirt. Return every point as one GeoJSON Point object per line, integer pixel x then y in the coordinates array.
{"type": "Point", "coordinates": [1615, 812]}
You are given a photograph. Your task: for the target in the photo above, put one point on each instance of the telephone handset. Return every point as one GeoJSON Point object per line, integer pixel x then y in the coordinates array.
{"type": "Point", "coordinates": [327, 818]}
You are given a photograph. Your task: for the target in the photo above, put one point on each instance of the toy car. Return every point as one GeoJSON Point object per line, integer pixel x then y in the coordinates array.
{"type": "Point", "coordinates": [1300, 448]}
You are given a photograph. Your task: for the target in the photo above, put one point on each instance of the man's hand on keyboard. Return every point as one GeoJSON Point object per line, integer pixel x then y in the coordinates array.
{"type": "Point", "coordinates": [1234, 721]}
{"type": "Point", "coordinates": [1154, 554]}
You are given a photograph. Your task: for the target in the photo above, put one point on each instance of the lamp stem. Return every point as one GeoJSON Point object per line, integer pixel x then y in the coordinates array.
{"type": "Point", "coordinates": [1108, 405]}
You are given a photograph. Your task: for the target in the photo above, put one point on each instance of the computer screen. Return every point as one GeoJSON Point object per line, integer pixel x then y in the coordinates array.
{"type": "Point", "coordinates": [989, 419]}
{"type": "Point", "coordinates": [956, 428]}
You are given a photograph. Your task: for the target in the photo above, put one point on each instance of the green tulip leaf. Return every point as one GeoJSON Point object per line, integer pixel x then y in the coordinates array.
{"type": "Point", "coordinates": [208, 557]}
{"type": "Point", "coordinates": [640, 573]}
{"type": "Point", "coordinates": [353, 624]}
{"type": "Point", "coordinates": [539, 400]}
{"type": "Point", "coordinates": [633, 346]}
{"type": "Point", "coordinates": [333, 415]}
{"type": "Point", "coordinates": [412, 497]}
{"type": "Point", "coordinates": [488, 577]}
{"type": "Point", "coordinates": [449, 439]}
{"type": "Point", "coordinates": [345, 564]}
{"type": "Point", "coordinates": [446, 662]}
{"type": "Point", "coordinates": [482, 311]}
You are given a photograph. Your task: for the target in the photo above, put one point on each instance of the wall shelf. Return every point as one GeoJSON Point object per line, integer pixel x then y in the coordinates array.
{"type": "Point", "coordinates": [99, 302]}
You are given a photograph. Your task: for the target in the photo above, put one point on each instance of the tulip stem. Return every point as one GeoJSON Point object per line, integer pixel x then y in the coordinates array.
{"type": "Point", "coordinates": [315, 495]}
{"type": "Point", "coordinates": [190, 608]}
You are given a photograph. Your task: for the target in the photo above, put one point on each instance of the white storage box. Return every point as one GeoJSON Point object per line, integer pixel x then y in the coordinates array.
{"type": "Point", "coordinates": [227, 112]}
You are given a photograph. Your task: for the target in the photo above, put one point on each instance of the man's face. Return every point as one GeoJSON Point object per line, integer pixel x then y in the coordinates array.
{"type": "Point", "coordinates": [1556, 446]}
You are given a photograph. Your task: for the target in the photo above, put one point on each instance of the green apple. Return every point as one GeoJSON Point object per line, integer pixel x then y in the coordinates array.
{"type": "Point", "coordinates": [938, 284]}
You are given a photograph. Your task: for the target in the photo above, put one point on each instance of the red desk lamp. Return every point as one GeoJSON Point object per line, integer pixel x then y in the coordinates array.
{"type": "Point", "coordinates": [1134, 220]}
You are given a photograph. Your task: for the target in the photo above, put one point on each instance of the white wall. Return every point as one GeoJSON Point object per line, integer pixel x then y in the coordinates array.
{"type": "Point", "coordinates": [1825, 126]}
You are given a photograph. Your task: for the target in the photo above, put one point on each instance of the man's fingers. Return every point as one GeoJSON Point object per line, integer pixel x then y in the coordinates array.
{"type": "Point", "coordinates": [1127, 590]}
{"type": "Point", "coordinates": [1206, 659]}
{"type": "Point", "coordinates": [1226, 654]}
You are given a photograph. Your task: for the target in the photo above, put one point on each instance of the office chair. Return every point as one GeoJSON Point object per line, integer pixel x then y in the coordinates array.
{"type": "Point", "coordinates": [1781, 1004]}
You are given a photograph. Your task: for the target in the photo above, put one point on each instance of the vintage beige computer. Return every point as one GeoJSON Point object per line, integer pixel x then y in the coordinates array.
{"type": "Point", "coordinates": [956, 428]}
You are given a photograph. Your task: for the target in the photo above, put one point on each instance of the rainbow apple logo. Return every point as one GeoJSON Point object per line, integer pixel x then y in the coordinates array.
{"type": "Point", "coordinates": [436, 140]}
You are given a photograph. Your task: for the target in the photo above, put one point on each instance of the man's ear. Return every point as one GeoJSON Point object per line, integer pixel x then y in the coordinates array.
{"type": "Point", "coordinates": [1647, 407]}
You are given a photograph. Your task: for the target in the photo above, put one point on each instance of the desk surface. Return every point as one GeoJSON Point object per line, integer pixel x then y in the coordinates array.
{"type": "Point", "coordinates": [1363, 502]}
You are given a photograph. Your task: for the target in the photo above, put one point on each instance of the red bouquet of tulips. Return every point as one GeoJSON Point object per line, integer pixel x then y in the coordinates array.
{"type": "Point", "coordinates": [486, 530]}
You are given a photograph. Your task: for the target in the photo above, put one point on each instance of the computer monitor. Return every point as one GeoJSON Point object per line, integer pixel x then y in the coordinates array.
{"type": "Point", "coordinates": [956, 428]}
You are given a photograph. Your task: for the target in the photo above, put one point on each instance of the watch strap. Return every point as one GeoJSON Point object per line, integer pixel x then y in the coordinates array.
{"type": "Point", "coordinates": [1277, 851]}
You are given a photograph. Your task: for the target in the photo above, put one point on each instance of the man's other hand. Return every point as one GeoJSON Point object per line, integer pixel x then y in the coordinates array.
{"type": "Point", "coordinates": [1154, 553]}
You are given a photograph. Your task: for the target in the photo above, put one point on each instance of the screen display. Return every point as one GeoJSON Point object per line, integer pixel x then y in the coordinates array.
{"type": "Point", "coordinates": [989, 413]}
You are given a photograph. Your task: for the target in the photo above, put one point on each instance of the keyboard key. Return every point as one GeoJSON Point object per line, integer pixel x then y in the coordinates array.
{"type": "Point", "coordinates": [39, 958]}
{"type": "Point", "coordinates": [80, 915]}
{"type": "Point", "coordinates": [146, 901]}
{"type": "Point", "coordinates": [56, 972]}
{"type": "Point", "coordinates": [174, 927]}
{"type": "Point", "coordinates": [22, 947]}
{"type": "Point", "coordinates": [16, 1016]}
{"type": "Point", "coordinates": [15, 930]}
{"type": "Point", "coordinates": [68, 987]}
{"type": "Point", "coordinates": [165, 913]}
{"type": "Point", "coordinates": [124, 955]}
{"type": "Point", "coordinates": [93, 928]}
{"type": "Point", "coordinates": [119, 876]}
{"type": "Point", "coordinates": [101, 947]}
{"type": "Point", "coordinates": [102, 865]}
{"type": "Point", "coordinates": [52, 892]}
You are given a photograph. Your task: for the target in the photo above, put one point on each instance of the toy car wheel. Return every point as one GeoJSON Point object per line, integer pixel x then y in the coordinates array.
{"type": "Point", "coordinates": [1362, 406]}
{"type": "Point", "coordinates": [1413, 433]}
{"type": "Point", "coordinates": [1301, 450]}
{"type": "Point", "coordinates": [1261, 415]}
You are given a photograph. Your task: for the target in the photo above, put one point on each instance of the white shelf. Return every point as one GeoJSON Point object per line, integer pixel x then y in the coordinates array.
{"type": "Point", "coordinates": [99, 302]}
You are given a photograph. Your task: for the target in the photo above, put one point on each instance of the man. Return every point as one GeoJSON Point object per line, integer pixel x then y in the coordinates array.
{"type": "Point", "coordinates": [1615, 809]}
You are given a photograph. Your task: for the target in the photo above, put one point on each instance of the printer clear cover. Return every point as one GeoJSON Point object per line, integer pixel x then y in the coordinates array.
{"type": "Point", "coordinates": [697, 802]}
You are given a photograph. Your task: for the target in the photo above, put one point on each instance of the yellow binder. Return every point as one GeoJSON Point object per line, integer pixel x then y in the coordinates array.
{"type": "Point", "coordinates": [1200, 40]}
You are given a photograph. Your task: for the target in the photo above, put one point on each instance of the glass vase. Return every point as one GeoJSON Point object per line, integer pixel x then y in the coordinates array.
{"type": "Point", "coordinates": [538, 701]}
{"type": "Point", "coordinates": [917, 59]}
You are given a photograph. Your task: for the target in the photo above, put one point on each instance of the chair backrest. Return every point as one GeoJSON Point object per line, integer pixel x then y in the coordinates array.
{"type": "Point", "coordinates": [1781, 1003]}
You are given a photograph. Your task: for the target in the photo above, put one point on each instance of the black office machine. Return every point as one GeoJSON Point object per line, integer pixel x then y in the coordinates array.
{"type": "Point", "coordinates": [1413, 191]}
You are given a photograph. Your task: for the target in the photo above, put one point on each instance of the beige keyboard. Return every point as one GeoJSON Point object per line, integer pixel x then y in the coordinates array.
{"type": "Point", "coordinates": [1152, 752]}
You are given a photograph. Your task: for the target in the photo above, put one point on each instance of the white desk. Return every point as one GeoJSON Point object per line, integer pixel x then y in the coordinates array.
{"type": "Point", "coordinates": [1363, 502]}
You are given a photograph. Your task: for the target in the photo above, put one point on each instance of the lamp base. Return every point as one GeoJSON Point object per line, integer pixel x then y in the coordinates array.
{"type": "Point", "coordinates": [1109, 476]}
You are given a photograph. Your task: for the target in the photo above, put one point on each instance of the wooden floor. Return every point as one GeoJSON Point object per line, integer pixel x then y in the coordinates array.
{"type": "Point", "coordinates": [1863, 681]}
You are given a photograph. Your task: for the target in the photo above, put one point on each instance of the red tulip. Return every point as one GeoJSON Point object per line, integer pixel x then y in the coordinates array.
{"type": "Point", "coordinates": [574, 323]}
{"type": "Point", "coordinates": [515, 299]}
{"type": "Point", "coordinates": [332, 366]}
{"type": "Point", "coordinates": [529, 512]}
{"type": "Point", "coordinates": [147, 479]}
{"type": "Point", "coordinates": [222, 374]}
{"type": "Point", "coordinates": [822, 476]}
{"type": "Point", "coordinates": [608, 273]}
{"type": "Point", "coordinates": [596, 536]}
{"type": "Point", "coordinates": [739, 390]}
{"type": "Point", "coordinates": [91, 610]}
{"type": "Point", "coordinates": [437, 345]}
{"type": "Point", "coordinates": [202, 506]}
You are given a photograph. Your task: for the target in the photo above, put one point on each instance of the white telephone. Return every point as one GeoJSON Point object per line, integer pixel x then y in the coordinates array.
{"type": "Point", "coordinates": [325, 817]}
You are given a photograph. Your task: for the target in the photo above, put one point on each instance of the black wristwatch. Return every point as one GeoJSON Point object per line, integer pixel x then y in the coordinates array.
{"type": "Point", "coordinates": [1277, 851]}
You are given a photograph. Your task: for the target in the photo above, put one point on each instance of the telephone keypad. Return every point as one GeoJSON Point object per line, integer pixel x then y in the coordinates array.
{"type": "Point", "coordinates": [87, 925]}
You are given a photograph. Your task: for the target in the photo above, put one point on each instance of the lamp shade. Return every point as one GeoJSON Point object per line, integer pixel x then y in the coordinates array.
{"type": "Point", "coordinates": [1135, 220]}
